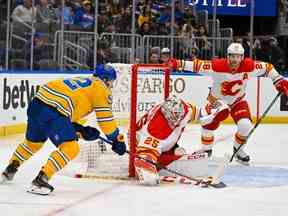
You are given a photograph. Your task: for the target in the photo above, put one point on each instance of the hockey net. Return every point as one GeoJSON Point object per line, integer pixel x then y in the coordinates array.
{"type": "Point", "coordinates": [137, 88]}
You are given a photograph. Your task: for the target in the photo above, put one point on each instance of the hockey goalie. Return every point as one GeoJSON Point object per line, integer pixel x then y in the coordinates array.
{"type": "Point", "coordinates": [158, 132]}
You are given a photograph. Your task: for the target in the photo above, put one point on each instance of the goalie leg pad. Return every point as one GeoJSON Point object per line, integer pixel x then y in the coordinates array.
{"type": "Point", "coordinates": [146, 172]}
{"type": "Point", "coordinates": [61, 157]}
{"type": "Point", "coordinates": [194, 164]}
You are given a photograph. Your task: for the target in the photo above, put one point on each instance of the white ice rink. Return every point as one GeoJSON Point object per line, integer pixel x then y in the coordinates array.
{"type": "Point", "coordinates": [258, 190]}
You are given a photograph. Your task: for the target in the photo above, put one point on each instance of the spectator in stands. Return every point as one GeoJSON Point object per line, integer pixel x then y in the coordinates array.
{"type": "Point", "coordinates": [179, 15]}
{"type": "Point", "coordinates": [162, 29]}
{"type": "Point", "coordinates": [104, 54]}
{"type": "Point", "coordinates": [39, 51]}
{"type": "Point", "coordinates": [194, 53]}
{"type": "Point", "coordinates": [84, 16]}
{"type": "Point", "coordinates": [145, 16]}
{"type": "Point", "coordinates": [205, 49]}
{"type": "Point", "coordinates": [189, 16]}
{"type": "Point", "coordinates": [203, 43]}
{"type": "Point", "coordinates": [245, 43]}
{"type": "Point", "coordinates": [165, 55]}
{"type": "Point", "coordinates": [202, 31]}
{"type": "Point", "coordinates": [24, 12]}
{"type": "Point", "coordinates": [257, 44]}
{"type": "Point", "coordinates": [103, 22]}
{"type": "Point", "coordinates": [272, 53]}
{"type": "Point", "coordinates": [124, 23]}
{"type": "Point", "coordinates": [154, 57]}
{"type": "Point", "coordinates": [68, 14]}
{"type": "Point", "coordinates": [187, 33]}
{"type": "Point", "coordinates": [277, 56]}
{"type": "Point", "coordinates": [165, 15]}
{"type": "Point", "coordinates": [145, 29]}
{"type": "Point", "coordinates": [45, 12]}
{"type": "Point", "coordinates": [110, 12]}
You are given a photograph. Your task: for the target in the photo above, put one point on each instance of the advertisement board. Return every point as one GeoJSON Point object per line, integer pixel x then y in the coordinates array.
{"type": "Point", "coordinates": [17, 90]}
{"type": "Point", "coordinates": [237, 7]}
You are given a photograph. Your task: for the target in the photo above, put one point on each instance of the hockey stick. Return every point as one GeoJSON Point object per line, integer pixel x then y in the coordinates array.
{"type": "Point", "coordinates": [256, 124]}
{"type": "Point", "coordinates": [210, 181]}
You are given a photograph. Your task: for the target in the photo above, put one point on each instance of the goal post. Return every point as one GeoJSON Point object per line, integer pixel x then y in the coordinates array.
{"type": "Point", "coordinates": [142, 68]}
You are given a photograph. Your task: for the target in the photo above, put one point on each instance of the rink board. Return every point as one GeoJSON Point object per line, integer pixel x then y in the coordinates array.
{"type": "Point", "coordinates": [18, 88]}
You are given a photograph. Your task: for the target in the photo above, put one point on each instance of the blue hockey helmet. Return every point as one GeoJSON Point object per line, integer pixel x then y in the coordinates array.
{"type": "Point", "coordinates": [105, 72]}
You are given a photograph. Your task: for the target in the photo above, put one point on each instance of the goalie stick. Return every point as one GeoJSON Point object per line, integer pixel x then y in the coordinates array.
{"type": "Point", "coordinates": [211, 181]}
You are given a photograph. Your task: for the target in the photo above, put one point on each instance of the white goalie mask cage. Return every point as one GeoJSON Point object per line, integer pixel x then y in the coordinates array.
{"type": "Point", "coordinates": [173, 110]}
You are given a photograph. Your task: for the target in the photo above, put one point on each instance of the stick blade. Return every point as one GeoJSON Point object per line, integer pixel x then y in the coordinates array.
{"type": "Point", "coordinates": [218, 185]}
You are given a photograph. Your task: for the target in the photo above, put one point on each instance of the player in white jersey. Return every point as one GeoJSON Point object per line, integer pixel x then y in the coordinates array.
{"type": "Point", "coordinates": [159, 130]}
{"type": "Point", "coordinates": [230, 76]}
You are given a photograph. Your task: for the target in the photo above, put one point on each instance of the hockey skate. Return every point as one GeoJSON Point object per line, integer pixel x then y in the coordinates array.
{"type": "Point", "coordinates": [40, 185]}
{"type": "Point", "coordinates": [242, 157]}
{"type": "Point", "coordinates": [209, 152]}
{"type": "Point", "coordinates": [9, 172]}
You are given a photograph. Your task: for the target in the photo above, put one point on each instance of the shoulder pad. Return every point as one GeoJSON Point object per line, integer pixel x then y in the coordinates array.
{"type": "Point", "coordinates": [220, 65]}
{"type": "Point", "coordinates": [247, 65]}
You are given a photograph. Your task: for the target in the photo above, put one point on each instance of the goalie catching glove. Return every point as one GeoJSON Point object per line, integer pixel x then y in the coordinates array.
{"type": "Point", "coordinates": [86, 132]}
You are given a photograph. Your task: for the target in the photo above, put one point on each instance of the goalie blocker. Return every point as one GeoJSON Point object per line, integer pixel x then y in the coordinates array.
{"type": "Point", "coordinates": [159, 144]}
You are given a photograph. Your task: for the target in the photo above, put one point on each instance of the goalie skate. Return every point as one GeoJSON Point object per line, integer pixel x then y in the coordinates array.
{"type": "Point", "coordinates": [40, 185]}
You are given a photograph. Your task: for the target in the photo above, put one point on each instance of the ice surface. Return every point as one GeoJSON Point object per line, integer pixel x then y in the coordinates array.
{"type": "Point", "coordinates": [258, 190]}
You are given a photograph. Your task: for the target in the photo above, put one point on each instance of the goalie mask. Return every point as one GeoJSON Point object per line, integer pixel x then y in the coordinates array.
{"type": "Point", "coordinates": [173, 110]}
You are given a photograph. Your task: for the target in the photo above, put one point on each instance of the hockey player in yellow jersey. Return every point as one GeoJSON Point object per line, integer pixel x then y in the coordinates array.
{"type": "Point", "coordinates": [54, 112]}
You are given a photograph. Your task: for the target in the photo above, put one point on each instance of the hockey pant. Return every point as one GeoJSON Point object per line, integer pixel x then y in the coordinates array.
{"type": "Point", "coordinates": [240, 113]}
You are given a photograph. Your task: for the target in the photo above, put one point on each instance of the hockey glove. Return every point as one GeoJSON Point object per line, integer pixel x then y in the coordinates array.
{"type": "Point", "coordinates": [118, 145]}
{"type": "Point", "coordinates": [282, 86]}
{"type": "Point", "coordinates": [86, 132]}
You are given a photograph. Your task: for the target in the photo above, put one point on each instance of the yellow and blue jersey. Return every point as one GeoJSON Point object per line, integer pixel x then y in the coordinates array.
{"type": "Point", "coordinates": [78, 97]}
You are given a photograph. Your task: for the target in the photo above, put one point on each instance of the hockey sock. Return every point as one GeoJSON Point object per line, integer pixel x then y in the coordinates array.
{"type": "Point", "coordinates": [207, 142]}
{"type": "Point", "coordinates": [25, 150]}
{"type": "Point", "coordinates": [239, 140]}
{"type": "Point", "coordinates": [58, 159]}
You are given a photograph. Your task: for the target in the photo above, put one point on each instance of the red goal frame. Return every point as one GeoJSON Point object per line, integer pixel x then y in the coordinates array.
{"type": "Point", "coordinates": [133, 105]}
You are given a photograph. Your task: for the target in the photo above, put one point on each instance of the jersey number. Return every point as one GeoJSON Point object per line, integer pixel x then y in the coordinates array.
{"type": "Point", "coordinates": [76, 83]}
{"type": "Point", "coordinates": [151, 141]}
